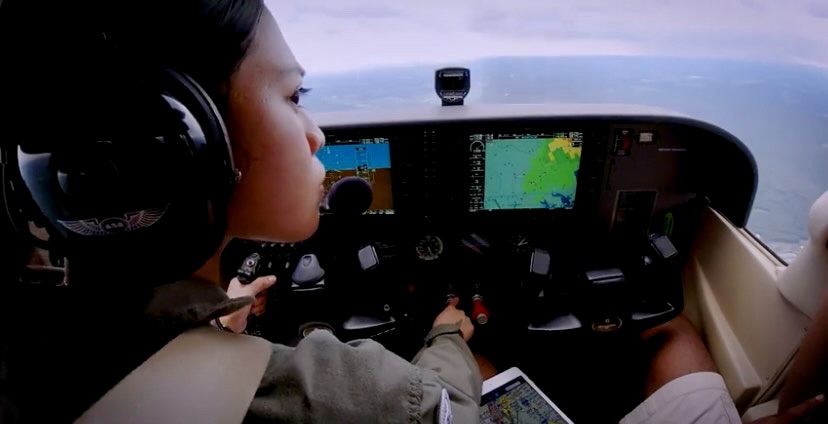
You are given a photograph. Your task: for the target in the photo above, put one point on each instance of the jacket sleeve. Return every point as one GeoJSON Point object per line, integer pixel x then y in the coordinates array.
{"type": "Point", "coordinates": [323, 380]}
{"type": "Point", "coordinates": [448, 363]}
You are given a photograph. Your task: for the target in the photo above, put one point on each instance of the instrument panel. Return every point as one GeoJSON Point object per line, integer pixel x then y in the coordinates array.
{"type": "Point", "coordinates": [603, 175]}
{"type": "Point", "coordinates": [554, 223]}
{"type": "Point", "coordinates": [443, 191]}
{"type": "Point", "coordinates": [445, 169]}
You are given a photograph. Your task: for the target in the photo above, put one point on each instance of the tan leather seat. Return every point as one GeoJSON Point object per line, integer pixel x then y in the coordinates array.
{"type": "Point", "coordinates": [205, 375]}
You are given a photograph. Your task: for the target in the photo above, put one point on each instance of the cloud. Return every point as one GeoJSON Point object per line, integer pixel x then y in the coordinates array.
{"type": "Point", "coordinates": [335, 36]}
{"type": "Point", "coordinates": [754, 4]}
{"type": "Point", "coordinates": [818, 9]}
{"type": "Point", "coordinates": [352, 10]}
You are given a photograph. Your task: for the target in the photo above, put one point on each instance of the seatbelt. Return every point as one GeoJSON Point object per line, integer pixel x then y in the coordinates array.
{"type": "Point", "coordinates": [205, 375]}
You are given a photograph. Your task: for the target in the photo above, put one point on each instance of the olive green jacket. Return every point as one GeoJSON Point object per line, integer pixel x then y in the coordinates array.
{"type": "Point", "coordinates": [323, 380]}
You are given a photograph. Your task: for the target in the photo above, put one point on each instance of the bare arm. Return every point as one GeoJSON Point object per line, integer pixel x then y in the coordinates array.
{"type": "Point", "coordinates": [809, 374]}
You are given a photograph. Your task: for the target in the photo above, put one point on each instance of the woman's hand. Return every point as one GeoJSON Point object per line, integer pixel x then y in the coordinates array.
{"type": "Point", "coordinates": [237, 321]}
{"type": "Point", "coordinates": [452, 315]}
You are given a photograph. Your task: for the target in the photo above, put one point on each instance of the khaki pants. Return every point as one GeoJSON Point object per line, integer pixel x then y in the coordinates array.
{"type": "Point", "coordinates": [699, 398]}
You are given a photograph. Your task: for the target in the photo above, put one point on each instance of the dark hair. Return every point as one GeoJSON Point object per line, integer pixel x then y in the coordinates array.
{"type": "Point", "coordinates": [65, 65]}
{"type": "Point", "coordinates": [58, 55]}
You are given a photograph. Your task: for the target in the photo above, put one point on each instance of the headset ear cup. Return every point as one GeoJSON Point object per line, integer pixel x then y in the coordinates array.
{"type": "Point", "coordinates": [215, 161]}
{"type": "Point", "coordinates": [19, 207]}
{"type": "Point", "coordinates": [15, 241]}
{"type": "Point", "coordinates": [13, 217]}
{"type": "Point", "coordinates": [217, 157]}
{"type": "Point", "coordinates": [142, 195]}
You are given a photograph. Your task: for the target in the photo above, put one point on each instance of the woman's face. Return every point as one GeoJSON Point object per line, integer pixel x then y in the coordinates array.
{"type": "Point", "coordinates": [274, 144]}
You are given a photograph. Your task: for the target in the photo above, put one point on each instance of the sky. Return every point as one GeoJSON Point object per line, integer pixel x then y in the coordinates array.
{"type": "Point", "coordinates": [329, 36]}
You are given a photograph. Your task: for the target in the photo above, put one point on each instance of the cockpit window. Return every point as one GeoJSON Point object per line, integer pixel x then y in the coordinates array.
{"type": "Point", "coordinates": [757, 68]}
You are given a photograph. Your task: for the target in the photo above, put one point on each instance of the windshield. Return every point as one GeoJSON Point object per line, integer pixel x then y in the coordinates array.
{"type": "Point", "coordinates": [757, 68]}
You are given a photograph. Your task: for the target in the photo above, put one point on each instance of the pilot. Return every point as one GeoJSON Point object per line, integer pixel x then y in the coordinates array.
{"type": "Point", "coordinates": [235, 51]}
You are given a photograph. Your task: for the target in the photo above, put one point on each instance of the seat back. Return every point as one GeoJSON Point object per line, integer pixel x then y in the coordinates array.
{"type": "Point", "coordinates": [806, 278]}
{"type": "Point", "coordinates": [205, 375]}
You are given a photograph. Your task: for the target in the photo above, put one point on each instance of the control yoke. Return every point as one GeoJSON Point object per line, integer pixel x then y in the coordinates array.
{"type": "Point", "coordinates": [606, 300]}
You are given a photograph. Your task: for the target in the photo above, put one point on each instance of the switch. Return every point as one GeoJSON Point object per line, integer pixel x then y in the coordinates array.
{"type": "Point", "coordinates": [623, 142]}
{"type": "Point", "coordinates": [368, 259]}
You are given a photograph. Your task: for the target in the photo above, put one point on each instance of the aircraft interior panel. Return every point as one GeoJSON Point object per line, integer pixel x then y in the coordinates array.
{"type": "Point", "coordinates": [728, 301]}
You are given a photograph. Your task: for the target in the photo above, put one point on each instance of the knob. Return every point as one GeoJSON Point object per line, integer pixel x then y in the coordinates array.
{"type": "Point", "coordinates": [479, 311]}
{"type": "Point", "coordinates": [451, 292]}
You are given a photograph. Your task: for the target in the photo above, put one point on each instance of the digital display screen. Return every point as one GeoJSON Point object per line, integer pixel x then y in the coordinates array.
{"type": "Point", "coordinates": [517, 402]}
{"type": "Point", "coordinates": [367, 158]}
{"type": "Point", "coordinates": [453, 83]}
{"type": "Point", "coordinates": [524, 171]}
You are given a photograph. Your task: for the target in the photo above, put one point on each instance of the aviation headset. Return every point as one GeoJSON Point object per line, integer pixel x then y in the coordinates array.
{"type": "Point", "coordinates": [136, 204]}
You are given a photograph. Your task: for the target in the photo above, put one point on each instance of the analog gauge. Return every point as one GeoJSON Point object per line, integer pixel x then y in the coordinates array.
{"type": "Point", "coordinates": [429, 248]}
{"type": "Point", "coordinates": [476, 146]}
{"type": "Point", "coordinates": [520, 244]}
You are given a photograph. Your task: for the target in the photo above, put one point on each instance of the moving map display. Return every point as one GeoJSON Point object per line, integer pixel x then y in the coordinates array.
{"type": "Point", "coordinates": [517, 402]}
{"type": "Point", "coordinates": [367, 158]}
{"type": "Point", "coordinates": [524, 171]}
